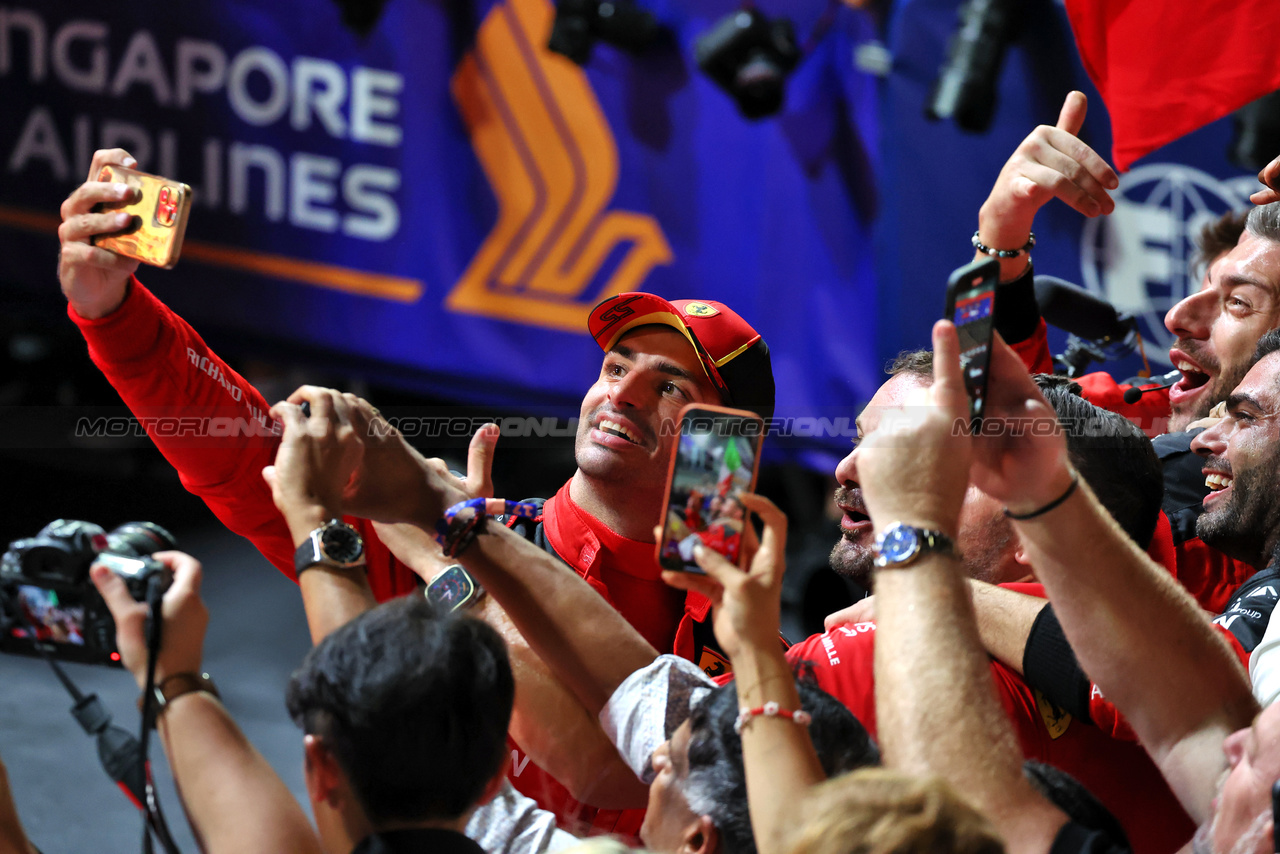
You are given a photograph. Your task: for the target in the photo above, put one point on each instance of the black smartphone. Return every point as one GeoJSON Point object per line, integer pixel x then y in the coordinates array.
{"type": "Point", "coordinates": [716, 460]}
{"type": "Point", "coordinates": [971, 306]}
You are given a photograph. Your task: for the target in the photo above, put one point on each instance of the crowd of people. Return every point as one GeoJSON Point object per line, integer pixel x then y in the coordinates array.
{"type": "Point", "coordinates": [1056, 657]}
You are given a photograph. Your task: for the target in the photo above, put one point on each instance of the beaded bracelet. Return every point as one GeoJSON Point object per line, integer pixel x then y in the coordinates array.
{"type": "Point", "coordinates": [464, 521]}
{"type": "Point", "coordinates": [771, 710]}
{"type": "Point", "coordinates": [1003, 253]}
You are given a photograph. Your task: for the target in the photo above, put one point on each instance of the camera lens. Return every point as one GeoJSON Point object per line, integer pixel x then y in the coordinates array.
{"type": "Point", "coordinates": [137, 539]}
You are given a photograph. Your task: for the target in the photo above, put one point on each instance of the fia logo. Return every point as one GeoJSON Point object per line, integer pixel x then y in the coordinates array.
{"type": "Point", "coordinates": [1140, 258]}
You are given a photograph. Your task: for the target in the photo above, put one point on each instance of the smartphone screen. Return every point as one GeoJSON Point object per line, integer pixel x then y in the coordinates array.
{"type": "Point", "coordinates": [49, 616]}
{"type": "Point", "coordinates": [971, 305]}
{"type": "Point", "coordinates": [715, 462]}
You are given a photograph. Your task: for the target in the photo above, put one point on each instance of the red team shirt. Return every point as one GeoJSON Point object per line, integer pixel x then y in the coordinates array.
{"type": "Point", "coordinates": [164, 370]}
{"type": "Point", "coordinates": [161, 367]}
{"type": "Point", "coordinates": [1119, 773]}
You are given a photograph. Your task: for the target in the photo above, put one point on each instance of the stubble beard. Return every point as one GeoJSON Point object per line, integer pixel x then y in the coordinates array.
{"type": "Point", "coordinates": [1243, 525]}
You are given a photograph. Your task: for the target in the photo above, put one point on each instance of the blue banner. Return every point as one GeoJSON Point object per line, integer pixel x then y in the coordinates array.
{"type": "Point", "coordinates": [439, 203]}
{"type": "Point", "coordinates": [444, 199]}
{"type": "Point", "coordinates": [935, 177]}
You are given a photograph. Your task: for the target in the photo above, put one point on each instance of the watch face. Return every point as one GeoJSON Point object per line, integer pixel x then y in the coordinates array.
{"type": "Point", "coordinates": [899, 543]}
{"type": "Point", "coordinates": [341, 543]}
{"type": "Point", "coordinates": [451, 589]}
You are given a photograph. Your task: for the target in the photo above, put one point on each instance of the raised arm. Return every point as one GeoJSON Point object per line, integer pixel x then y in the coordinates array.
{"type": "Point", "coordinates": [317, 457]}
{"type": "Point", "coordinates": [1052, 162]}
{"type": "Point", "coordinates": [1136, 632]}
{"type": "Point", "coordinates": [565, 621]}
{"type": "Point", "coordinates": [778, 758]}
{"type": "Point", "coordinates": [217, 771]}
{"type": "Point", "coordinates": [167, 375]}
{"type": "Point", "coordinates": [915, 470]}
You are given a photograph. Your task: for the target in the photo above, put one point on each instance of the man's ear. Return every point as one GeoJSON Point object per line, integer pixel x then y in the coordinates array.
{"type": "Point", "coordinates": [1023, 560]}
{"type": "Point", "coordinates": [701, 837]}
{"type": "Point", "coordinates": [320, 766]}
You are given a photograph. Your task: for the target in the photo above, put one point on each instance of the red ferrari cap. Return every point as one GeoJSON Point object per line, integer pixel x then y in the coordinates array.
{"type": "Point", "coordinates": [734, 356]}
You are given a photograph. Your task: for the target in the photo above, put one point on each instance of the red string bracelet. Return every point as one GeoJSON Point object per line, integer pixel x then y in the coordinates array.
{"type": "Point", "coordinates": [771, 710]}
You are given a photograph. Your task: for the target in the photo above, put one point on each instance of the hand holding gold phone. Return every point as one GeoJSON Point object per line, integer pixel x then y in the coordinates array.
{"type": "Point", "coordinates": [159, 207]}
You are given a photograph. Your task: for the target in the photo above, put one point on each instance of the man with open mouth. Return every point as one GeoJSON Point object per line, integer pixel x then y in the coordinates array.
{"type": "Point", "coordinates": [658, 355]}
{"type": "Point", "coordinates": [1216, 328]}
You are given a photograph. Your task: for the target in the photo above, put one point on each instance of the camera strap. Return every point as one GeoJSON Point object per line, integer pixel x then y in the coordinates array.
{"type": "Point", "coordinates": [123, 757]}
{"type": "Point", "coordinates": [154, 824]}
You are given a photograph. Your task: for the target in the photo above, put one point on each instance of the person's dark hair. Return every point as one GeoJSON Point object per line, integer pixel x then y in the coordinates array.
{"type": "Point", "coordinates": [414, 706]}
{"type": "Point", "coordinates": [917, 363]}
{"type": "Point", "coordinates": [1070, 795]}
{"type": "Point", "coordinates": [1114, 457]}
{"type": "Point", "coordinates": [717, 786]}
{"type": "Point", "coordinates": [1264, 221]}
{"type": "Point", "coordinates": [1217, 237]}
{"type": "Point", "coordinates": [1267, 344]}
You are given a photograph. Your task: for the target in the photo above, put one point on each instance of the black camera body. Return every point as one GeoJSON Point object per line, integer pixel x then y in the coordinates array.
{"type": "Point", "coordinates": [750, 57]}
{"type": "Point", "coordinates": [47, 600]}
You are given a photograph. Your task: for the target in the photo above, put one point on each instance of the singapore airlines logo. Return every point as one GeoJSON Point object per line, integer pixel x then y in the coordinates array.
{"type": "Point", "coordinates": [547, 151]}
{"type": "Point", "coordinates": [1140, 257]}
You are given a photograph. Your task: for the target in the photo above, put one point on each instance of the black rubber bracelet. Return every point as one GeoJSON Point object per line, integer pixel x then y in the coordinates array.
{"type": "Point", "coordinates": [1022, 517]}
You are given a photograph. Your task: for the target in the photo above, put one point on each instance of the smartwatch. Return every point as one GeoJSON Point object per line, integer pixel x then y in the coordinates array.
{"type": "Point", "coordinates": [335, 543]}
{"type": "Point", "coordinates": [901, 545]}
{"type": "Point", "coordinates": [454, 589]}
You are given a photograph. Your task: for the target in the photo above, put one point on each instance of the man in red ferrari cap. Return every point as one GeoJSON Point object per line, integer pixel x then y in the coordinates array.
{"type": "Point", "coordinates": [658, 356]}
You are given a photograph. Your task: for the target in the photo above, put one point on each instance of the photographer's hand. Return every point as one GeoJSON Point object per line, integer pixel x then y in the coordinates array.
{"type": "Point", "coordinates": [217, 771]}
{"type": "Point", "coordinates": [184, 615]}
{"type": "Point", "coordinates": [94, 280]}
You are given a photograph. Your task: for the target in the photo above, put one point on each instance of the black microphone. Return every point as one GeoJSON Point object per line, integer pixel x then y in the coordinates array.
{"type": "Point", "coordinates": [1131, 395]}
{"type": "Point", "coordinates": [1075, 310]}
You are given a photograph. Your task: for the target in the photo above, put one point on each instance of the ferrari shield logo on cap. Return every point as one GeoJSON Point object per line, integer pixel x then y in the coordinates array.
{"type": "Point", "coordinates": [699, 309]}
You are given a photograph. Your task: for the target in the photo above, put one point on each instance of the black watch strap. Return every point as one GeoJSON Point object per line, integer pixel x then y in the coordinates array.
{"type": "Point", "coordinates": [175, 685]}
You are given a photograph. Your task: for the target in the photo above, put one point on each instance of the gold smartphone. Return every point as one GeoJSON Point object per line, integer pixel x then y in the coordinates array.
{"type": "Point", "coordinates": [160, 210]}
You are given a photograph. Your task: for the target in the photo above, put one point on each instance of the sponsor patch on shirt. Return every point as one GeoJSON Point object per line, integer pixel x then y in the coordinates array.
{"type": "Point", "coordinates": [713, 663]}
{"type": "Point", "coordinates": [1056, 720]}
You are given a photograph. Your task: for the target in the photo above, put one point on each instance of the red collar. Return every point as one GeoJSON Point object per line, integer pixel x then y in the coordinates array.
{"type": "Point", "coordinates": [588, 545]}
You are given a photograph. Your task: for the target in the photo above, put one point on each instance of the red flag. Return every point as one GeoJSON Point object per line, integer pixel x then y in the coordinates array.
{"type": "Point", "coordinates": [1167, 67]}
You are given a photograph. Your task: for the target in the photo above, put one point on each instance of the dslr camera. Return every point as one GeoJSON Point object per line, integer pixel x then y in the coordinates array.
{"type": "Point", "coordinates": [47, 600]}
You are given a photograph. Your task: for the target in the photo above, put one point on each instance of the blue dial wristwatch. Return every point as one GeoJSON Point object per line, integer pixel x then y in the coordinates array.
{"type": "Point", "coordinates": [901, 545]}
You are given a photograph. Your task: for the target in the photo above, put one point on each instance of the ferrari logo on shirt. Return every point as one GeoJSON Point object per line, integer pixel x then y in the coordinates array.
{"type": "Point", "coordinates": [1056, 720]}
{"type": "Point", "coordinates": [713, 663]}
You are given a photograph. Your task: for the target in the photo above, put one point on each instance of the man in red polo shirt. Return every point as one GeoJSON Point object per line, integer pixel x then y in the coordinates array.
{"type": "Point", "coordinates": [558, 620]}
{"type": "Point", "coordinates": [659, 355]}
